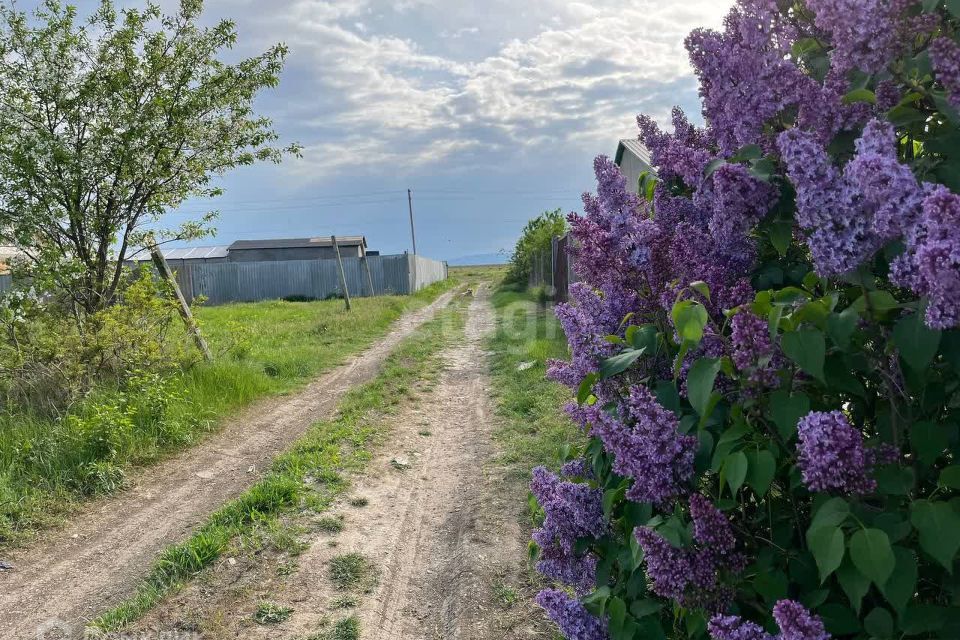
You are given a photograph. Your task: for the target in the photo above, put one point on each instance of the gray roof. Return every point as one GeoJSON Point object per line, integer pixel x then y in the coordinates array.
{"type": "Point", "coordinates": [636, 148]}
{"type": "Point", "coordinates": [298, 243]}
{"type": "Point", "coordinates": [185, 253]}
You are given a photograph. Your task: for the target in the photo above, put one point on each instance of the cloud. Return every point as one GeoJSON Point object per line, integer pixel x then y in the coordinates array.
{"type": "Point", "coordinates": [397, 84]}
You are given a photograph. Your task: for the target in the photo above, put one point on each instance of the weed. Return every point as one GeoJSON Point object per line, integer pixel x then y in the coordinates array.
{"type": "Point", "coordinates": [270, 613]}
{"type": "Point", "coordinates": [330, 524]}
{"type": "Point", "coordinates": [352, 571]}
{"type": "Point", "coordinates": [505, 594]}
{"type": "Point", "coordinates": [359, 501]}
{"type": "Point", "coordinates": [425, 433]}
{"type": "Point", "coordinates": [287, 568]}
{"type": "Point", "coordinates": [345, 602]}
{"type": "Point", "coordinates": [346, 629]}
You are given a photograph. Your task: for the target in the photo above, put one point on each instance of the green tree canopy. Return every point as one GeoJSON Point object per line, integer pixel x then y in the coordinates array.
{"type": "Point", "coordinates": [107, 123]}
{"type": "Point", "coordinates": [535, 240]}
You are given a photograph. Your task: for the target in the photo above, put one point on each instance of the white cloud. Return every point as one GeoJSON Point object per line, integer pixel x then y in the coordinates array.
{"type": "Point", "coordinates": [396, 83]}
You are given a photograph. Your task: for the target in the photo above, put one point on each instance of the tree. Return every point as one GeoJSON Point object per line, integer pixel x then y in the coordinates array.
{"type": "Point", "coordinates": [535, 240]}
{"type": "Point", "coordinates": [106, 125]}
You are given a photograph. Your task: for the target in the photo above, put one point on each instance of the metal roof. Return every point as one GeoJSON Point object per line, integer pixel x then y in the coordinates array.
{"type": "Point", "coordinates": [185, 253]}
{"type": "Point", "coordinates": [298, 243]}
{"type": "Point", "coordinates": [636, 148]}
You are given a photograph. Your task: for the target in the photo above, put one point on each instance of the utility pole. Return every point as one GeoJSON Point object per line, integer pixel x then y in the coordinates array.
{"type": "Point", "coordinates": [413, 231]}
{"type": "Point", "coordinates": [343, 276]}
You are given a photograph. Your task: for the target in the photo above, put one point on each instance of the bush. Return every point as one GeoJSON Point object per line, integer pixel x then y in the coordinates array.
{"type": "Point", "coordinates": [766, 351]}
{"type": "Point", "coordinates": [536, 241]}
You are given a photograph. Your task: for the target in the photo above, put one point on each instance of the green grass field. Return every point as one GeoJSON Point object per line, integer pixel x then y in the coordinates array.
{"type": "Point", "coordinates": [48, 466]}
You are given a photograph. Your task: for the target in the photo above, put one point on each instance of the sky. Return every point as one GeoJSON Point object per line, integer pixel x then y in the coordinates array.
{"type": "Point", "coordinates": [490, 111]}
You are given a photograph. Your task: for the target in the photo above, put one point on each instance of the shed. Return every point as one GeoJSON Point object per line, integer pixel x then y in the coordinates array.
{"type": "Point", "coordinates": [295, 249]}
{"type": "Point", "coordinates": [633, 159]}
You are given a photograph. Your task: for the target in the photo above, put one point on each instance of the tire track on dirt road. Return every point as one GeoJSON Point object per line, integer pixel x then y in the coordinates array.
{"type": "Point", "coordinates": [100, 557]}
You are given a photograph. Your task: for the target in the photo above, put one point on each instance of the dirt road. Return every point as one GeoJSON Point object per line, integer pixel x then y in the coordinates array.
{"type": "Point", "coordinates": [98, 559]}
{"type": "Point", "coordinates": [440, 527]}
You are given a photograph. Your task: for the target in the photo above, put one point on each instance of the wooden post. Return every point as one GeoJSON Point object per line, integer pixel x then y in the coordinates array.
{"type": "Point", "coordinates": [343, 275]}
{"type": "Point", "coordinates": [366, 267]}
{"type": "Point", "coordinates": [161, 263]}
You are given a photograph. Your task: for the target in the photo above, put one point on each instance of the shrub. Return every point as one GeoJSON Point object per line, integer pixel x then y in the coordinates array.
{"type": "Point", "coordinates": [536, 241]}
{"type": "Point", "coordinates": [765, 347]}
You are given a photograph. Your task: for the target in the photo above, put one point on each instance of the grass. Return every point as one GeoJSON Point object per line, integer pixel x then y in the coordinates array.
{"type": "Point", "coordinates": [534, 428]}
{"type": "Point", "coordinates": [329, 449]}
{"type": "Point", "coordinates": [346, 629]}
{"type": "Point", "coordinates": [330, 524]}
{"type": "Point", "coordinates": [353, 572]}
{"type": "Point", "coordinates": [48, 466]}
{"type": "Point", "coordinates": [269, 613]}
{"type": "Point", "coordinates": [359, 501]}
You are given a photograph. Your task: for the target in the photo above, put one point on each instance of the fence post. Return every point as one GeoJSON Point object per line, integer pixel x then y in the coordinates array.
{"type": "Point", "coordinates": [161, 263]}
{"type": "Point", "coordinates": [366, 267]}
{"type": "Point", "coordinates": [343, 276]}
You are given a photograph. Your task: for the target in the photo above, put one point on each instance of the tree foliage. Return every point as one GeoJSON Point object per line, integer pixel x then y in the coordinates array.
{"type": "Point", "coordinates": [108, 123]}
{"type": "Point", "coordinates": [535, 243]}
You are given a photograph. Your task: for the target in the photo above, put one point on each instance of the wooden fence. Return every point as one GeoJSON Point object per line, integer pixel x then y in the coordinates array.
{"type": "Point", "coordinates": [553, 270]}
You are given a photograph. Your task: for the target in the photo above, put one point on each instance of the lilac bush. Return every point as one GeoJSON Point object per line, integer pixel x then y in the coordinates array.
{"type": "Point", "coordinates": [765, 345]}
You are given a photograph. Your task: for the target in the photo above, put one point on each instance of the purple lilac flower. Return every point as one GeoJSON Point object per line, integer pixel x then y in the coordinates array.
{"type": "Point", "coordinates": [646, 447]}
{"type": "Point", "coordinates": [753, 350]}
{"type": "Point", "coordinates": [740, 201]}
{"type": "Point", "coordinates": [945, 56]}
{"type": "Point", "coordinates": [734, 628]}
{"type": "Point", "coordinates": [888, 95]}
{"type": "Point", "coordinates": [668, 568]}
{"type": "Point", "coordinates": [931, 264]}
{"type": "Point", "coordinates": [572, 511]}
{"type": "Point", "coordinates": [887, 187]}
{"type": "Point", "coordinates": [683, 154]}
{"type": "Point", "coordinates": [796, 623]}
{"type": "Point", "coordinates": [578, 468]}
{"type": "Point", "coordinates": [832, 456]}
{"type": "Point", "coordinates": [711, 529]}
{"type": "Point", "coordinates": [863, 33]}
{"type": "Point", "coordinates": [571, 617]}
{"type": "Point", "coordinates": [841, 230]}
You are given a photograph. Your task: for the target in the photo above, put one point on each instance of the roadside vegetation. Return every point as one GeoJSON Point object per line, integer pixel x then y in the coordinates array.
{"type": "Point", "coordinates": [53, 457]}
{"type": "Point", "coordinates": [274, 514]}
{"type": "Point", "coordinates": [535, 244]}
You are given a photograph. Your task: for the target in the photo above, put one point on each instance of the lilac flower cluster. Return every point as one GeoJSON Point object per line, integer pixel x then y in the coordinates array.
{"type": "Point", "coordinates": [572, 511]}
{"type": "Point", "coordinates": [753, 350]}
{"type": "Point", "coordinates": [794, 621]}
{"type": "Point", "coordinates": [931, 264]}
{"type": "Point", "coordinates": [646, 446]}
{"type": "Point", "coordinates": [692, 575]}
{"type": "Point", "coordinates": [945, 56]}
{"type": "Point", "coordinates": [571, 617]}
{"type": "Point", "coordinates": [832, 455]}
{"type": "Point", "coordinates": [864, 33]}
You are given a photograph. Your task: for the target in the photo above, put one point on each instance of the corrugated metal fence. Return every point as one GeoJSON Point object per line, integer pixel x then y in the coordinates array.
{"type": "Point", "coordinates": [6, 282]}
{"type": "Point", "coordinates": [225, 282]}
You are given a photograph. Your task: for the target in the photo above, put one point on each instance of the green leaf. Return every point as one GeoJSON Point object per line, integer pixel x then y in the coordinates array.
{"type": "Point", "coordinates": [808, 349]}
{"type": "Point", "coordinates": [619, 363]}
{"type": "Point", "coordinates": [712, 166]}
{"type": "Point", "coordinates": [871, 554]}
{"type": "Point", "coordinates": [900, 590]}
{"type": "Point", "coordinates": [689, 319]}
{"type": "Point", "coordinates": [700, 382]}
{"type": "Point", "coordinates": [786, 410]}
{"type": "Point", "coordinates": [645, 607]}
{"type": "Point", "coordinates": [827, 546]}
{"type": "Point", "coordinates": [702, 288]}
{"type": "Point", "coordinates": [841, 326]}
{"type": "Point", "coordinates": [917, 344]}
{"type": "Point", "coordinates": [929, 440]}
{"type": "Point", "coordinates": [616, 613]}
{"type": "Point", "coordinates": [831, 513]}
{"type": "Point", "coordinates": [854, 584]}
{"type": "Point", "coordinates": [735, 470]}
{"type": "Point", "coordinates": [939, 527]}
{"type": "Point", "coordinates": [748, 152]}
{"type": "Point", "coordinates": [895, 481]}
{"type": "Point", "coordinates": [953, 6]}
{"type": "Point", "coordinates": [642, 337]}
{"type": "Point", "coordinates": [877, 303]}
{"type": "Point", "coordinates": [762, 468]}
{"type": "Point", "coordinates": [923, 618]}
{"type": "Point", "coordinates": [950, 477]}
{"type": "Point", "coordinates": [879, 624]}
{"type": "Point", "coordinates": [586, 387]}
{"type": "Point", "coordinates": [781, 234]}
{"type": "Point", "coordinates": [838, 619]}
{"type": "Point", "coordinates": [860, 95]}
